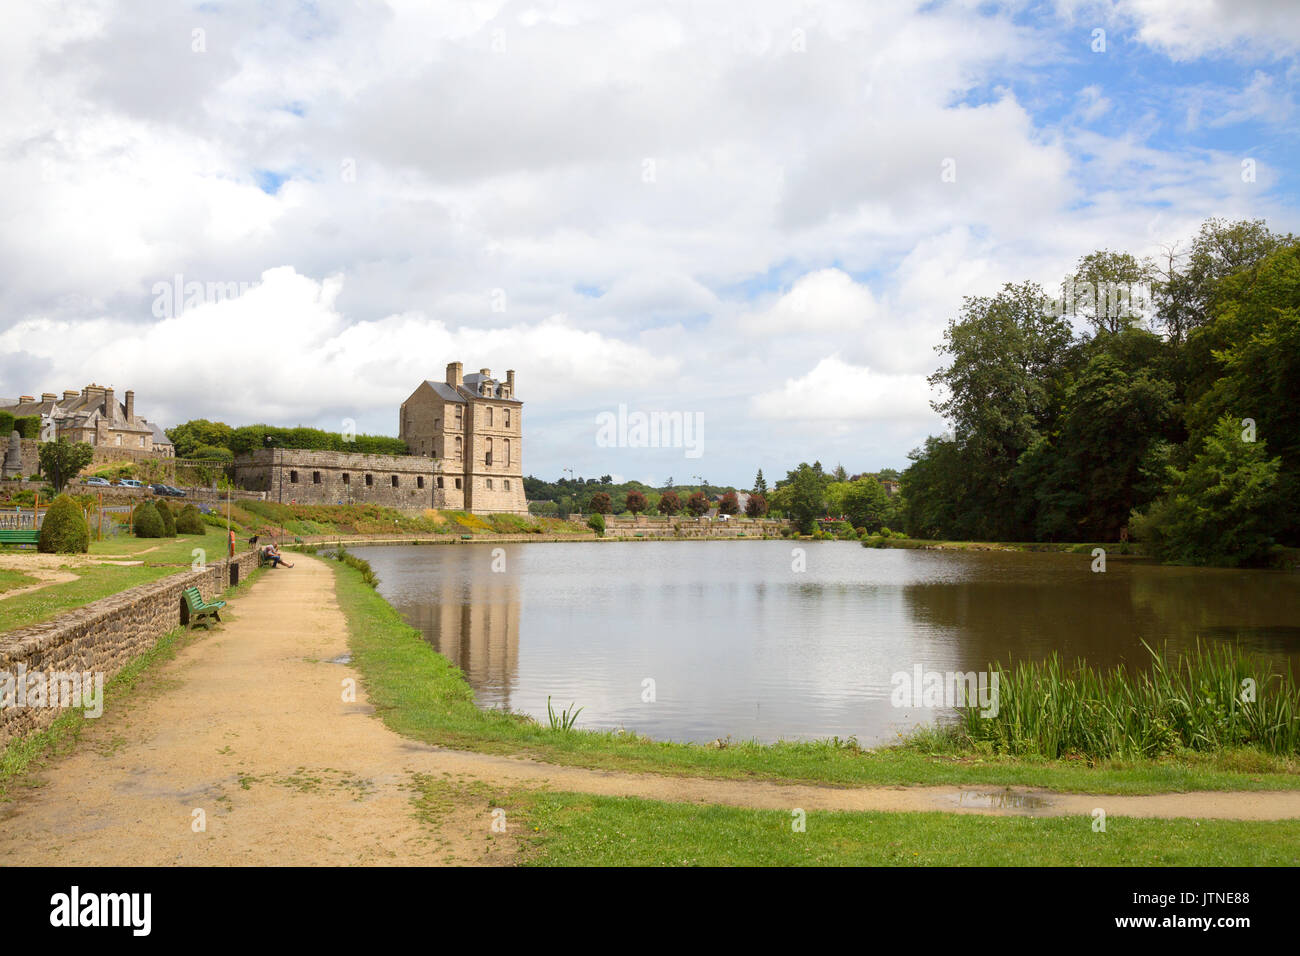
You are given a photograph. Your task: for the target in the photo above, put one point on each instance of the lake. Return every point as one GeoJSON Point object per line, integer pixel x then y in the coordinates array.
{"type": "Point", "coordinates": [741, 642]}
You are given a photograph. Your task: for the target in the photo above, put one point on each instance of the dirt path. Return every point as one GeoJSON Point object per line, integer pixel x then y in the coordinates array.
{"type": "Point", "coordinates": [248, 726]}
{"type": "Point", "coordinates": [45, 579]}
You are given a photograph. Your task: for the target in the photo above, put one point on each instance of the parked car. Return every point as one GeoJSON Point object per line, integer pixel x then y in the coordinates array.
{"type": "Point", "coordinates": [101, 482]}
{"type": "Point", "coordinates": [131, 483]}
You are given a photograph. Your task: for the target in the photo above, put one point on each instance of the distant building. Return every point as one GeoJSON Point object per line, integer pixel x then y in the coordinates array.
{"type": "Point", "coordinates": [891, 487]}
{"type": "Point", "coordinates": [95, 416]}
{"type": "Point", "coordinates": [464, 436]}
{"type": "Point", "coordinates": [473, 425]}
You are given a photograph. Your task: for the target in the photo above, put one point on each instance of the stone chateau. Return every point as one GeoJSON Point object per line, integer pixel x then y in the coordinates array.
{"type": "Point", "coordinates": [464, 435]}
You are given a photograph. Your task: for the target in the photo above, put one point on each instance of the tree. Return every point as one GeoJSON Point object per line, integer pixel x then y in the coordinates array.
{"type": "Point", "coordinates": [62, 460]}
{"type": "Point", "coordinates": [1221, 510]}
{"type": "Point", "coordinates": [189, 521]}
{"type": "Point", "coordinates": [866, 504]}
{"type": "Point", "coordinates": [635, 502]}
{"type": "Point", "coordinates": [840, 474]}
{"type": "Point", "coordinates": [729, 505]}
{"type": "Point", "coordinates": [803, 495]}
{"type": "Point", "coordinates": [669, 503]}
{"type": "Point", "coordinates": [596, 522]}
{"type": "Point", "coordinates": [1010, 360]}
{"type": "Point", "coordinates": [760, 483]}
{"type": "Point", "coordinates": [1102, 286]}
{"type": "Point", "coordinates": [1186, 285]}
{"type": "Point", "coordinates": [756, 505]}
{"type": "Point", "coordinates": [146, 522]}
{"type": "Point", "coordinates": [64, 530]}
{"type": "Point", "coordinates": [601, 503]}
{"type": "Point", "coordinates": [697, 504]}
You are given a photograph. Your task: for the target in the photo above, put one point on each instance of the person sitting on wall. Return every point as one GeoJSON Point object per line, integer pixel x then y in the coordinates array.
{"type": "Point", "coordinates": [273, 555]}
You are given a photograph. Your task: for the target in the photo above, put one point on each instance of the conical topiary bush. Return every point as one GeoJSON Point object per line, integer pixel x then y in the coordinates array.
{"type": "Point", "coordinates": [64, 529]}
{"type": "Point", "coordinates": [168, 519]}
{"type": "Point", "coordinates": [147, 523]}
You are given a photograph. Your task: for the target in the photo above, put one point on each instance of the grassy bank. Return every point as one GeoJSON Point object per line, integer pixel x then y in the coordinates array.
{"type": "Point", "coordinates": [27, 754]}
{"type": "Point", "coordinates": [159, 557]}
{"type": "Point", "coordinates": [305, 521]}
{"type": "Point", "coordinates": [419, 694]}
{"type": "Point", "coordinates": [570, 829]}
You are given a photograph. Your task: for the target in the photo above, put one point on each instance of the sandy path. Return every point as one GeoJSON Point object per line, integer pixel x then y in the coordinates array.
{"type": "Point", "coordinates": [46, 578]}
{"type": "Point", "coordinates": [248, 725]}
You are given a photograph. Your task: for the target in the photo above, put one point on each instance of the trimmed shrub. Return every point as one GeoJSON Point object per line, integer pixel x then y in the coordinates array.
{"type": "Point", "coordinates": [147, 523]}
{"type": "Point", "coordinates": [597, 524]}
{"type": "Point", "coordinates": [190, 521]}
{"type": "Point", "coordinates": [168, 519]}
{"type": "Point", "coordinates": [64, 529]}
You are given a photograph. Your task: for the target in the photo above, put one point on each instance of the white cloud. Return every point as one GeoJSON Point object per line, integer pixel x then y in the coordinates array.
{"type": "Point", "coordinates": [837, 391]}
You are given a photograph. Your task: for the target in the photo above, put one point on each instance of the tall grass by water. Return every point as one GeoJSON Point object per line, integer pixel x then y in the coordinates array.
{"type": "Point", "coordinates": [1212, 698]}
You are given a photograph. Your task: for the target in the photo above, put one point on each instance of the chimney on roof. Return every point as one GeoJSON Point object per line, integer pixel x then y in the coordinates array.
{"type": "Point", "coordinates": [510, 381]}
{"type": "Point", "coordinates": [455, 374]}
{"type": "Point", "coordinates": [130, 406]}
{"type": "Point", "coordinates": [49, 397]}
{"type": "Point", "coordinates": [24, 399]}
{"type": "Point", "coordinates": [485, 372]}
{"type": "Point", "coordinates": [69, 394]}
{"type": "Point", "coordinates": [110, 406]}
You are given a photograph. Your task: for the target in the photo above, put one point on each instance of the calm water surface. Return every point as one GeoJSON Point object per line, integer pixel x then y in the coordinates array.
{"type": "Point", "coordinates": [740, 644]}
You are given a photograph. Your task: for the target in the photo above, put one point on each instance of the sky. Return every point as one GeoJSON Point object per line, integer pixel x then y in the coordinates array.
{"type": "Point", "coordinates": [760, 215]}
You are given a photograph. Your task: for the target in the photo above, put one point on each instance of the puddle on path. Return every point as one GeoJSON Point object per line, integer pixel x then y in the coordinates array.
{"type": "Point", "coordinates": [999, 800]}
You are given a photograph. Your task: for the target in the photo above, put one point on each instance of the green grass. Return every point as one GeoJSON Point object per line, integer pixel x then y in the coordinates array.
{"type": "Point", "coordinates": [9, 580]}
{"type": "Point", "coordinates": [27, 754]}
{"type": "Point", "coordinates": [584, 830]}
{"type": "Point", "coordinates": [419, 694]}
{"type": "Point", "coordinates": [102, 580]}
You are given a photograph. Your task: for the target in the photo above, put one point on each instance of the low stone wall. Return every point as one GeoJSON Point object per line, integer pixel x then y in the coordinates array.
{"type": "Point", "coordinates": [105, 635]}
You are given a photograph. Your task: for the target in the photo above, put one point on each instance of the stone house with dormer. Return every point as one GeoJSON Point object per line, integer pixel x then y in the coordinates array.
{"type": "Point", "coordinates": [473, 425]}
{"type": "Point", "coordinates": [95, 416]}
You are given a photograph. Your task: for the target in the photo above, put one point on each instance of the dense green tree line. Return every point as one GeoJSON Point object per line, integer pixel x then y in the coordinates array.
{"type": "Point", "coordinates": [1174, 416]}
{"type": "Point", "coordinates": [200, 438]}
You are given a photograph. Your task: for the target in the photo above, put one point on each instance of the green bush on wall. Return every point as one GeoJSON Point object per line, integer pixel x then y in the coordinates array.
{"type": "Point", "coordinates": [64, 529]}
{"type": "Point", "coordinates": [147, 523]}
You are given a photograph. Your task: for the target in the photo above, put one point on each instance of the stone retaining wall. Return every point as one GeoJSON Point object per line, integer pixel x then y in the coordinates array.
{"type": "Point", "coordinates": [105, 635]}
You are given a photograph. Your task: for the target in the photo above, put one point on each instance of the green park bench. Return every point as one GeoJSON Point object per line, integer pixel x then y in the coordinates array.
{"type": "Point", "coordinates": [200, 611]}
{"type": "Point", "coordinates": [20, 535]}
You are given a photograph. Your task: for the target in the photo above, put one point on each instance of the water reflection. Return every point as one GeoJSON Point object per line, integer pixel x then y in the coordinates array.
{"type": "Point", "coordinates": [738, 644]}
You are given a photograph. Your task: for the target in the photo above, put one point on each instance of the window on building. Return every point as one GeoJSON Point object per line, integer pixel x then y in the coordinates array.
{"type": "Point", "coordinates": [507, 484]}
{"type": "Point", "coordinates": [347, 479]}
{"type": "Point", "coordinates": [370, 480]}
{"type": "Point", "coordinates": [487, 456]}
{"type": "Point", "coordinates": [419, 481]}
{"type": "Point", "coordinates": [507, 418]}
{"type": "Point", "coordinates": [489, 484]}
{"type": "Point", "coordinates": [315, 477]}
{"type": "Point", "coordinates": [293, 477]}
{"type": "Point", "coordinates": [394, 481]}
{"type": "Point", "coordinates": [437, 424]}
{"type": "Point", "coordinates": [457, 484]}
{"type": "Point", "coordinates": [141, 441]}
{"type": "Point", "coordinates": [507, 452]}
{"type": "Point", "coordinates": [119, 439]}
{"type": "Point", "coordinates": [460, 415]}
{"type": "Point", "coordinates": [458, 448]}
{"type": "Point", "coordinates": [490, 415]}
{"type": "Point", "coordinates": [439, 482]}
